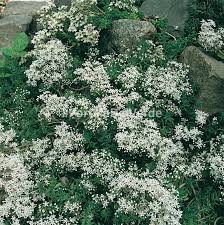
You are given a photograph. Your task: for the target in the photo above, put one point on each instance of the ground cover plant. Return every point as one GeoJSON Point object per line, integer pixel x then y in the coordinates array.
{"type": "Point", "coordinates": [98, 139]}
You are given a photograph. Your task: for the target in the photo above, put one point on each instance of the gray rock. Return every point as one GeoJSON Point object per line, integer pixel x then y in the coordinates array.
{"type": "Point", "coordinates": [10, 26]}
{"type": "Point", "coordinates": [208, 73]}
{"type": "Point", "coordinates": [63, 2]}
{"type": "Point", "coordinates": [125, 33]}
{"type": "Point", "coordinates": [175, 11]}
{"type": "Point", "coordinates": [23, 8]}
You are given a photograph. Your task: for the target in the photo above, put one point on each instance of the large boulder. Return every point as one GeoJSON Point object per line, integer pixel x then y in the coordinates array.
{"type": "Point", "coordinates": [63, 2]}
{"type": "Point", "coordinates": [10, 26]}
{"type": "Point", "coordinates": [17, 17]}
{"type": "Point", "coordinates": [126, 34]}
{"type": "Point", "coordinates": [208, 73]}
{"type": "Point", "coordinates": [30, 8]}
{"type": "Point", "coordinates": [175, 11]}
{"type": "Point", "coordinates": [20, 22]}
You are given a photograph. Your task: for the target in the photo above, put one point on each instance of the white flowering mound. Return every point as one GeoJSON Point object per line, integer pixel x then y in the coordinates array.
{"type": "Point", "coordinates": [118, 142]}
{"type": "Point", "coordinates": [48, 66]}
{"type": "Point", "coordinates": [210, 37]}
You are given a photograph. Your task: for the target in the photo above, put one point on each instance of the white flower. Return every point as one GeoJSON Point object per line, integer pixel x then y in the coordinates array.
{"type": "Point", "coordinates": [129, 78]}
{"type": "Point", "coordinates": [51, 61]}
{"type": "Point", "coordinates": [98, 116]}
{"type": "Point", "coordinates": [146, 198]}
{"type": "Point", "coordinates": [95, 75]}
{"type": "Point", "coordinates": [54, 105]}
{"type": "Point", "coordinates": [124, 5]}
{"type": "Point", "coordinates": [66, 139]}
{"type": "Point", "coordinates": [15, 183]}
{"type": "Point", "coordinates": [210, 38]}
{"type": "Point", "coordinates": [194, 134]}
{"type": "Point", "coordinates": [216, 162]}
{"type": "Point", "coordinates": [7, 137]}
{"type": "Point", "coordinates": [53, 19]}
{"type": "Point", "coordinates": [201, 117]}
{"type": "Point", "coordinates": [169, 82]}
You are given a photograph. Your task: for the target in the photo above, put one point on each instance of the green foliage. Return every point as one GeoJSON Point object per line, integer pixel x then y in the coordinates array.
{"type": "Point", "coordinates": [107, 14]}
{"type": "Point", "coordinates": [173, 44]}
{"type": "Point", "coordinates": [139, 2]}
{"type": "Point", "coordinates": [16, 97]}
{"type": "Point", "coordinates": [203, 9]}
{"type": "Point", "coordinates": [18, 46]}
{"type": "Point", "coordinates": [202, 200]}
{"type": "Point", "coordinates": [207, 9]}
{"type": "Point", "coordinates": [20, 42]}
{"type": "Point", "coordinates": [221, 55]}
{"type": "Point", "coordinates": [13, 54]}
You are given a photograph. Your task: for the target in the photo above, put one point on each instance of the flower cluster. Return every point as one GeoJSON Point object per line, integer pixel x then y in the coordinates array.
{"type": "Point", "coordinates": [201, 117]}
{"type": "Point", "coordinates": [95, 75]}
{"type": "Point", "coordinates": [53, 19]}
{"type": "Point", "coordinates": [157, 78]}
{"type": "Point", "coordinates": [55, 106]}
{"type": "Point", "coordinates": [15, 184]}
{"type": "Point", "coordinates": [216, 158]}
{"type": "Point", "coordinates": [211, 38]}
{"type": "Point", "coordinates": [131, 193]}
{"type": "Point", "coordinates": [7, 137]}
{"type": "Point", "coordinates": [50, 63]}
{"type": "Point", "coordinates": [129, 78]}
{"type": "Point", "coordinates": [124, 5]}
{"type": "Point", "coordinates": [15, 188]}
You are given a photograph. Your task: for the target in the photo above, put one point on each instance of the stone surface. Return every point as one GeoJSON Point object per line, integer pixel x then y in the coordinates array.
{"type": "Point", "coordinates": [10, 26]}
{"type": "Point", "coordinates": [28, 0]}
{"type": "Point", "coordinates": [175, 11]}
{"type": "Point", "coordinates": [57, 2]}
{"type": "Point", "coordinates": [208, 73]}
{"type": "Point", "coordinates": [63, 2]}
{"type": "Point", "coordinates": [125, 33]}
{"type": "Point", "coordinates": [23, 7]}
{"type": "Point", "coordinates": [17, 17]}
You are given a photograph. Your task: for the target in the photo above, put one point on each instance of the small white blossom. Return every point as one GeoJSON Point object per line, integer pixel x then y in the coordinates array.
{"type": "Point", "coordinates": [201, 117]}
{"type": "Point", "coordinates": [50, 63]}
{"type": "Point", "coordinates": [211, 38]}
{"type": "Point", "coordinates": [95, 75]}
{"type": "Point", "coordinates": [129, 78]}
{"type": "Point", "coordinates": [16, 186]}
{"type": "Point", "coordinates": [169, 82]}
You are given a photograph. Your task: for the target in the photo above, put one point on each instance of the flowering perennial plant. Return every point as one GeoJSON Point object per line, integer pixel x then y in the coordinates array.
{"type": "Point", "coordinates": [211, 38]}
{"type": "Point", "coordinates": [48, 66]}
{"type": "Point", "coordinates": [124, 5]}
{"type": "Point", "coordinates": [53, 20]}
{"type": "Point", "coordinates": [101, 157]}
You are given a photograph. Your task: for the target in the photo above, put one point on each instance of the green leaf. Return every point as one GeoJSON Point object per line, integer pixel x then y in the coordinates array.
{"type": "Point", "coordinates": [20, 42]}
{"type": "Point", "coordinates": [2, 64]}
{"type": "Point", "coordinates": [5, 75]}
{"type": "Point", "coordinates": [221, 54]}
{"type": "Point", "coordinates": [7, 52]}
{"type": "Point", "coordinates": [21, 54]}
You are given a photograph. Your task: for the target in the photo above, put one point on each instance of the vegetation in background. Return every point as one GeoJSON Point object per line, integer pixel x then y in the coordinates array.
{"type": "Point", "coordinates": [198, 10]}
